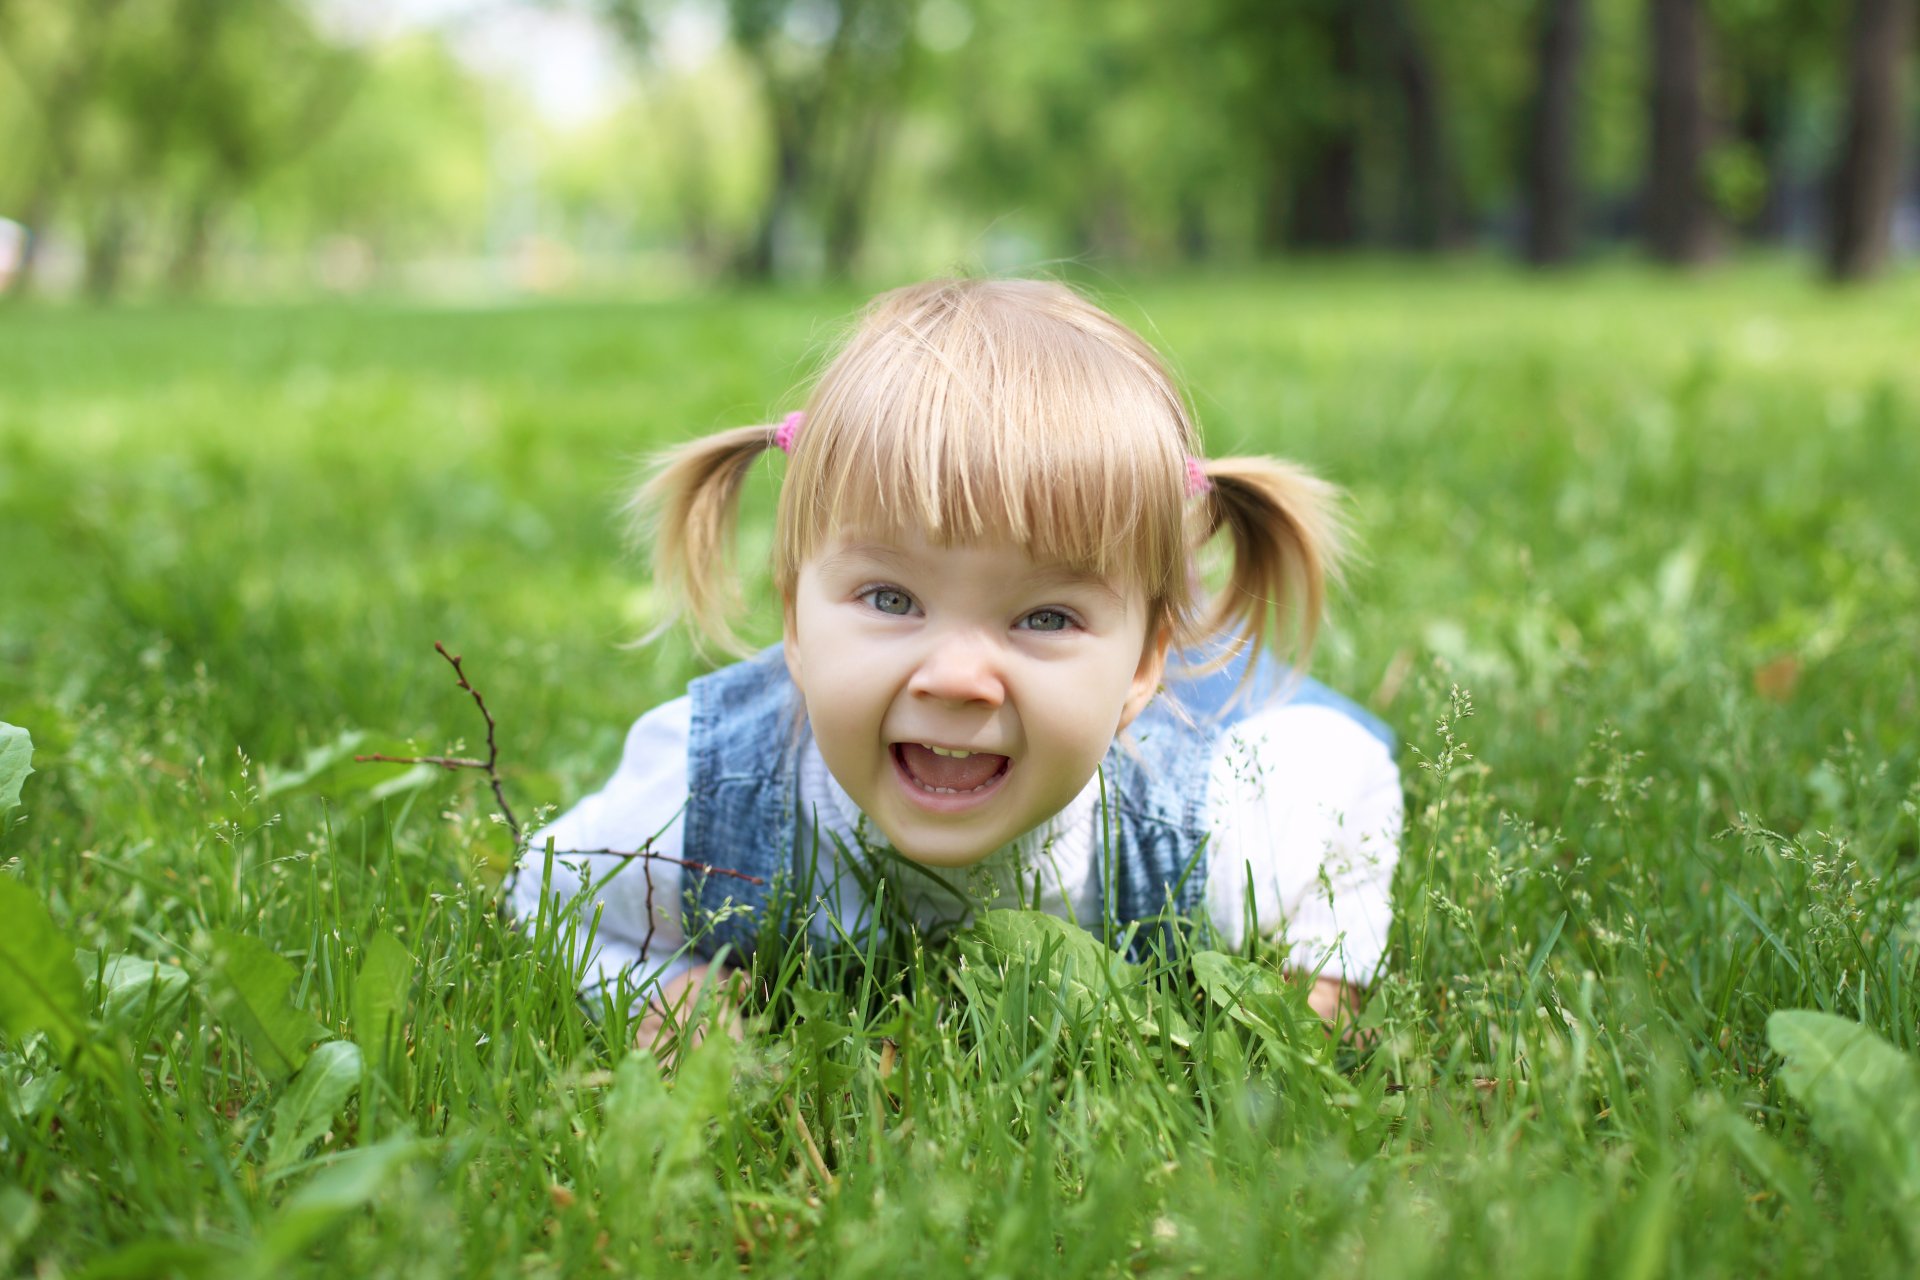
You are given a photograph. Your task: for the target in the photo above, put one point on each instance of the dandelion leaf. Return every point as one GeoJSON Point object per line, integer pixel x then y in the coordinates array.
{"type": "Point", "coordinates": [1254, 996]}
{"type": "Point", "coordinates": [40, 986]}
{"type": "Point", "coordinates": [308, 1107]}
{"type": "Point", "coordinates": [249, 987]}
{"type": "Point", "coordinates": [16, 762]}
{"type": "Point", "coordinates": [380, 998]}
{"type": "Point", "coordinates": [134, 991]}
{"type": "Point", "coordinates": [343, 1186]}
{"type": "Point", "coordinates": [1075, 962]}
{"type": "Point", "coordinates": [1862, 1093]}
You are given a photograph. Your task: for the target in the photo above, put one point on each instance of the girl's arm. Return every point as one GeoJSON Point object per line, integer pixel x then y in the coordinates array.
{"type": "Point", "coordinates": [1306, 810]}
{"type": "Point", "coordinates": [641, 931]}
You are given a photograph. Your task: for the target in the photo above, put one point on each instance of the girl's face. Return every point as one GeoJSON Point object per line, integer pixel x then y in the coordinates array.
{"type": "Point", "coordinates": [964, 695]}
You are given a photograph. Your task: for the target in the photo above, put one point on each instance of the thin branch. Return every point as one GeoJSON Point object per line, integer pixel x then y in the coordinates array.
{"type": "Point", "coordinates": [649, 855]}
{"type": "Point", "coordinates": [493, 751]}
{"type": "Point", "coordinates": [445, 762]}
{"type": "Point", "coordinates": [490, 764]}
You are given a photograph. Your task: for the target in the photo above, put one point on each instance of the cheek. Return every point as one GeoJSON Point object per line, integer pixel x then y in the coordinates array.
{"type": "Point", "coordinates": [1080, 713]}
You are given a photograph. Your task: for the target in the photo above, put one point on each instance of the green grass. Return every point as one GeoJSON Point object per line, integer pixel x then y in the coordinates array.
{"type": "Point", "coordinates": [1640, 593]}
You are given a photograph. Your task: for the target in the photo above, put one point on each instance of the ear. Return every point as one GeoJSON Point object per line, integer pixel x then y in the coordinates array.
{"type": "Point", "coordinates": [1146, 678]}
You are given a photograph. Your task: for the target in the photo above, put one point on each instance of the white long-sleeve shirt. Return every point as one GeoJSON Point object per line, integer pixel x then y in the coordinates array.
{"type": "Point", "coordinates": [1304, 810]}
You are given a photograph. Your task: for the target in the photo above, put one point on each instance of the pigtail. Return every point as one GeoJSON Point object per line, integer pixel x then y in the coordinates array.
{"type": "Point", "coordinates": [688, 511]}
{"type": "Point", "coordinates": [1287, 543]}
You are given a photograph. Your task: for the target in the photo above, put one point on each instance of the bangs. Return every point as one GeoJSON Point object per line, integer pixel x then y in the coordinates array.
{"type": "Point", "coordinates": [1011, 410]}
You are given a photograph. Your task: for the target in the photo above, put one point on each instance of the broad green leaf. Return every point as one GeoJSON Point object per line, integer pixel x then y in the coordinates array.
{"type": "Point", "coordinates": [19, 1213]}
{"type": "Point", "coordinates": [249, 987]}
{"type": "Point", "coordinates": [40, 987]}
{"type": "Point", "coordinates": [818, 1035]}
{"type": "Point", "coordinates": [1260, 999]}
{"type": "Point", "coordinates": [380, 998]}
{"type": "Point", "coordinates": [133, 989]}
{"type": "Point", "coordinates": [145, 1258]}
{"type": "Point", "coordinates": [1085, 972]}
{"type": "Point", "coordinates": [343, 1186]}
{"type": "Point", "coordinates": [1863, 1095]}
{"type": "Point", "coordinates": [276, 781]}
{"type": "Point", "coordinates": [332, 768]}
{"type": "Point", "coordinates": [40, 1094]}
{"type": "Point", "coordinates": [313, 1099]}
{"type": "Point", "coordinates": [1250, 994]}
{"type": "Point", "coordinates": [16, 762]}
{"type": "Point", "coordinates": [655, 1146]}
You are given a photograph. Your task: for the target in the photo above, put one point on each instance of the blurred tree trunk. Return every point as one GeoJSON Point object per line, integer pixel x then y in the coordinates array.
{"type": "Point", "coordinates": [1553, 133]}
{"type": "Point", "coordinates": [845, 97]}
{"type": "Point", "coordinates": [870, 109]}
{"type": "Point", "coordinates": [851, 197]}
{"type": "Point", "coordinates": [788, 178]}
{"type": "Point", "coordinates": [106, 244]}
{"type": "Point", "coordinates": [1324, 195]}
{"type": "Point", "coordinates": [1866, 182]}
{"type": "Point", "coordinates": [60, 99]}
{"type": "Point", "coordinates": [187, 270]}
{"type": "Point", "coordinates": [1762, 126]}
{"type": "Point", "coordinates": [240, 148]}
{"type": "Point", "coordinates": [1679, 212]}
{"type": "Point", "coordinates": [1270, 231]}
{"type": "Point", "coordinates": [1427, 208]}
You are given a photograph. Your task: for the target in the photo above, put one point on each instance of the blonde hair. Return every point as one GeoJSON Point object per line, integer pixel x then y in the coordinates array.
{"type": "Point", "coordinates": [1006, 408]}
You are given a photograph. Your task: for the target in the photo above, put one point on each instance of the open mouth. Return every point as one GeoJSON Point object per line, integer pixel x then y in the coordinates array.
{"type": "Point", "coordinates": [949, 773]}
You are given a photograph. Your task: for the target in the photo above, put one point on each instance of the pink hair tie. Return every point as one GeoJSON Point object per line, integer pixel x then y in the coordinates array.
{"type": "Point", "coordinates": [789, 428]}
{"type": "Point", "coordinates": [1197, 482]}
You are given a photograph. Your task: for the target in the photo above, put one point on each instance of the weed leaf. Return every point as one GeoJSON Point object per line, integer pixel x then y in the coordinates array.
{"type": "Point", "coordinates": [380, 997]}
{"type": "Point", "coordinates": [341, 1187]}
{"type": "Point", "coordinates": [16, 762]}
{"type": "Point", "coordinates": [18, 1214]}
{"type": "Point", "coordinates": [1253, 996]}
{"type": "Point", "coordinates": [40, 1094]}
{"type": "Point", "coordinates": [1066, 957]}
{"type": "Point", "coordinates": [1863, 1095]}
{"type": "Point", "coordinates": [145, 1258]}
{"type": "Point", "coordinates": [313, 1099]}
{"type": "Point", "coordinates": [249, 986]}
{"type": "Point", "coordinates": [40, 987]}
{"type": "Point", "coordinates": [320, 760]}
{"type": "Point", "coordinates": [330, 768]}
{"type": "Point", "coordinates": [1265, 1003]}
{"type": "Point", "coordinates": [134, 989]}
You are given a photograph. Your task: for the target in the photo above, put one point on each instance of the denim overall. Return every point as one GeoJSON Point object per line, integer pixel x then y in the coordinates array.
{"type": "Point", "coordinates": [743, 769]}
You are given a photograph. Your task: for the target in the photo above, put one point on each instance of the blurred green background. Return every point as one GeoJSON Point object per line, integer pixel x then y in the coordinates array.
{"type": "Point", "coordinates": [405, 292]}
{"type": "Point", "coordinates": [480, 149]}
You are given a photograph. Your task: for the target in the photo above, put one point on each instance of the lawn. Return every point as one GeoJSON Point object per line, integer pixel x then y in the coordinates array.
{"type": "Point", "coordinates": [1639, 592]}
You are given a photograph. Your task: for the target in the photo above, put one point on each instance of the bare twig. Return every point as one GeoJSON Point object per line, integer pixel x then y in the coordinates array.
{"type": "Point", "coordinates": [491, 767]}
{"type": "Point", "coordinates": [490, 764]}
{"type": "Point", "coordinates": [445, 762]}
{"type": "Point", "coordinates": [690, 864]}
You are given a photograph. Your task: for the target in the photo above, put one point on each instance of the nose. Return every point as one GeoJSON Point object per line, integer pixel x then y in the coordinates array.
{"type": "Point", "coordinates": [961, 667]}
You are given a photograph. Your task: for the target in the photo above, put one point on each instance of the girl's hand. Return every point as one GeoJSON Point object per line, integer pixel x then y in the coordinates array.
{"type": "Point", "coordinates": [1334, 1001]}
{"type": "Point", "coordinates": [666, 1027]}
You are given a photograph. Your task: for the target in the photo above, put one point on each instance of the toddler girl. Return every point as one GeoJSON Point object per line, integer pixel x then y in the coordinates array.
{"type": "Point", "coordinates": [985, 555]}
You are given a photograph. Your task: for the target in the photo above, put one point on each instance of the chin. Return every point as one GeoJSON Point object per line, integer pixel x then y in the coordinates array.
{"type": "Point", "coordinates": [937, 854]}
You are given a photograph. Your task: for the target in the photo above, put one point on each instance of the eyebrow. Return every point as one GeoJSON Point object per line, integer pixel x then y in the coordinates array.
{"type": "Point", "coordinates": [1045, 576]}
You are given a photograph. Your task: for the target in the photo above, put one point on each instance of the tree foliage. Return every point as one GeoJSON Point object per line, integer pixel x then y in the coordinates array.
{"type": "Point", "coordinates": [840, 137]}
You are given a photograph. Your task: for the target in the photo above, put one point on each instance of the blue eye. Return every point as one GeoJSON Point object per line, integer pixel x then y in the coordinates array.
{"type": "Point", "coordinates": [1048, 620]}
{"type": "Point", "coordinates": [890, 601]}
